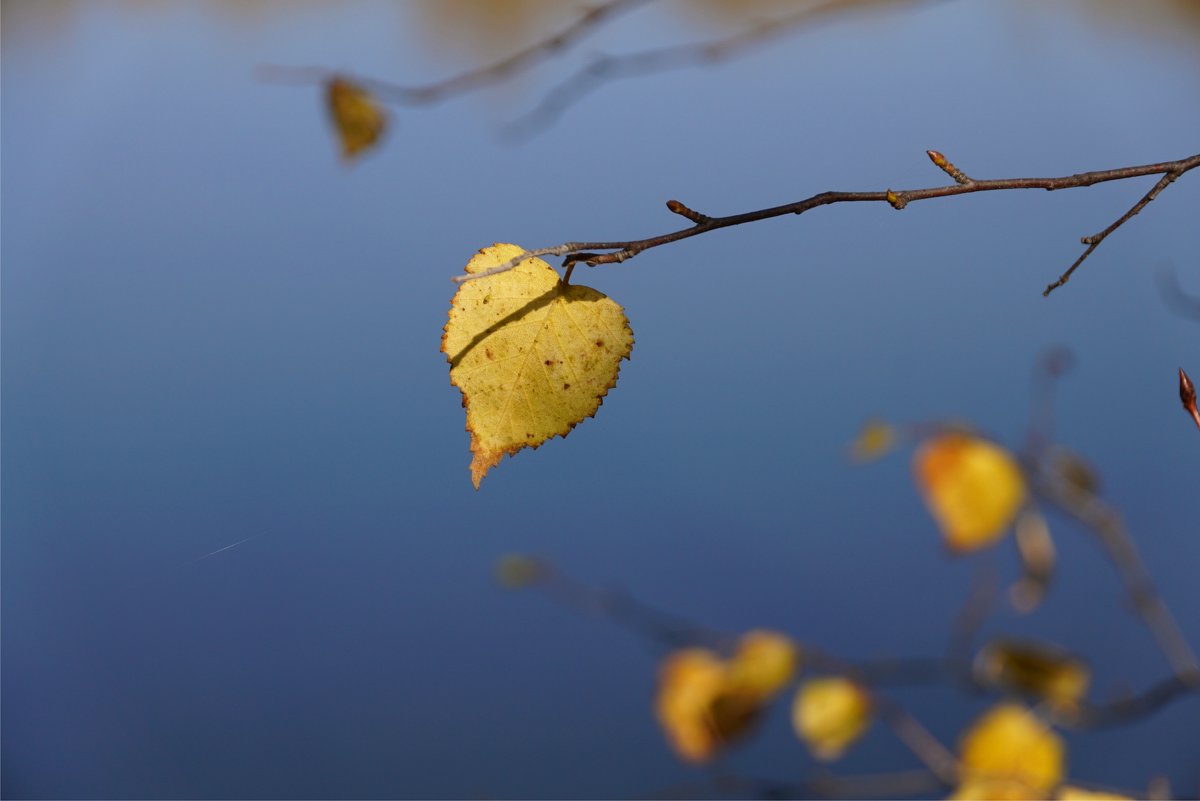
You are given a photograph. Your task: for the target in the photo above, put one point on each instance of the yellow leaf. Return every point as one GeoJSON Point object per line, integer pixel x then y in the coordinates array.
{"type": "Point", "coordinates": [533, 357]}
{"type": "Point", "coordinates": [830, 714]}
{"type": "Point", "coordinates": [515, 571]}
{"type": "Point", "coordinates": [1009, 754]}
{"type": "Point", "coordinates": [697, 708]}
{"type": "Point", "coordinates": [973, 488]}
{"type": "Point", "coordinates": [1047, 672]}
{"type": "Point", "coordinates": [764, 663]}
{"type": "Point", "coordinates": [874, 441]}
{"type": "Point", "coordinates": [704, 702]}
{"type": "Point", "coordinates": [359, 120]}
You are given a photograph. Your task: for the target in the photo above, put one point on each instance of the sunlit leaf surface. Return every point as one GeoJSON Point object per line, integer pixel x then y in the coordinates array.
{"type": "Point", "coordinates": [533, 357]}
{"type": "Point", "coordinates": [705, 702]}
{"type": "Point", "coordinates": [830, 714]}
{"type": "Point", "coordinates": [972, 487]}
{"type": "Point", "coordinates": [1008, 753]}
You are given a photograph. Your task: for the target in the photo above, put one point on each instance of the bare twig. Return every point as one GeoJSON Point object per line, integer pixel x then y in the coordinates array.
{"type": "Point", "coordinates": [603, 69]}
{"type": "Point", "coordinates": [974, 613]}
{"type": "Point", "coordinates": [471, 80]}
{"type": "Point", "coordinates": [623, 250]}
{"type": "Point", "coordinates": [1109, 529]}
{"type": "Point", "coordinates": [1134, 707]}
{"type": "Point", "coordinates": [917, 739]}
{"type": "Point", "coordinates": [1094, 240]}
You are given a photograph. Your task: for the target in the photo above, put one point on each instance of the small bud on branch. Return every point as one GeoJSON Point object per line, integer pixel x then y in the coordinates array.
{"type": "Point", "coordinates": [684, 211]}
{"type": "Point", "coordinates": [1187, 394]}
{"type": "Point", "coordinates": [945, 166]}
{"type": "Point", "coordinates": [622, 250]}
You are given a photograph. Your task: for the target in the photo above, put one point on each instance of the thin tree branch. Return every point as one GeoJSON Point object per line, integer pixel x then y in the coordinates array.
{"type": "Point", "coordinates": [918, 739]}
{"type": "Point", "coordinates": [1109, 529]}
{"type": "Point", "coordinates": [975, 611]}
{"type": "Point", "coordinates": [471, 80]}
{"type": "Point", "coordinates": [1094, 240]}
{"type": "Point", "coordinates": [1134, 707]}
{"type": "Point", "coordinates": [623, 250]}
{"type": "Point", "coordinates": [604, 68]}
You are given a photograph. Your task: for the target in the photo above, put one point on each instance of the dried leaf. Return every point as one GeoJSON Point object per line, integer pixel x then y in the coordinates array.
{"type": "Point", "coordinates": [358, 118]}
{"type": "Point", "coordinates": [532, 356]}
{"type": "Point", "coordinates": [875, 440]}
{"type": "Point", "coordinates": [1009, 754]}
{"type": "Point", "coordinates": [830, 714]}
{"type": "Point", "coordinates": [516, 571]}
{"type": "Point", "coordinates": [705, 702]}
{"type": "Point", "coordinates": [972, 487]}
{"type": "Point", "coordinates": [697, 708]}
{"type": "Point", "coordinates": [1046, 672]}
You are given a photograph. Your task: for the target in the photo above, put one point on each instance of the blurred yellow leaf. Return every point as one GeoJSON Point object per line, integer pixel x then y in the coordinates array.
{"type": "Point", "coordinates": [515, 571]}
{"type": "Point", "coordinates": [876, 439]}
{"type": "Point", "coordinates": [764, 663]}
{"type": "Point", "coordinates": [1009, 754]}
{"type": "Point", "coordinates": [359, 120]}
{"type": "Point", "coordinates": [532, 356]}
{"type": "Point", "coordinates": [696, 707]}
{"type": "Point", "coordinates": [705, 702]}
{"type": "Point", "coordinates": [1070, 793]}
{"type": "Point", "coordinates": [973, 488]}
{"type": "Point", "coordinates": [1045, 671]}
{"type": "Point", "coordinates": [830, 714]}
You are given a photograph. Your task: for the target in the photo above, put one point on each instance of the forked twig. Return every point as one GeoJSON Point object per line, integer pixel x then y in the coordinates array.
{"type": "Point", "coordinates": [623, 250]}
{"type": "Point", "coordinates": [470, 80]}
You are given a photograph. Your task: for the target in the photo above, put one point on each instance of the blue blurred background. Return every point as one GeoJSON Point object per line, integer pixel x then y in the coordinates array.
{"type": "Point", "coordinates": [214, 331]}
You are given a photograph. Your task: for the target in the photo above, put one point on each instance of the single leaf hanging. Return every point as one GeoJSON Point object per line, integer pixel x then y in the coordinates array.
{"type": "Point", "coordinates": [358, 118]}
{"type": "Point", "coordinates": [1009, 753]}
{"type": "Point", "coordinates": [973, 488]}
{"type": "Point", "coordinates": [830, 714]}
{"type": "Point", "coordinates": [532, 356]}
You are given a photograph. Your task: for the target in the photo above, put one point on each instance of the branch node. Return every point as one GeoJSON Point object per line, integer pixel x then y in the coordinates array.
{"type": "Point", "coordinates": [896, 201]}
{"type": "Point", "coordinates": [570, 261]}
{"type": "Point", "coordinates": [683, 211]}
{"type": "Point", "coordinates": [945, 166]}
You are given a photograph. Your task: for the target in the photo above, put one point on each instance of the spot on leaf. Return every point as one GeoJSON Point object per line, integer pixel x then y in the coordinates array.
{"type": "Point", "coordinates": [357, 117]}
{"type": "Point", "coordinates": [527, 361]}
